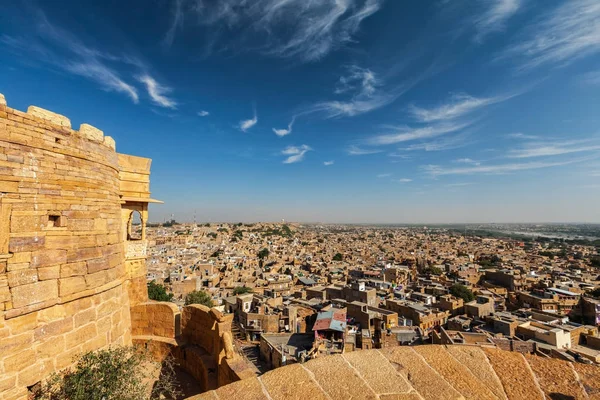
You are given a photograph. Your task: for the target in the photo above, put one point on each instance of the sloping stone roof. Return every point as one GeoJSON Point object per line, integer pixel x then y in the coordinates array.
{"type": "Point", "coordinates": [429, 372]}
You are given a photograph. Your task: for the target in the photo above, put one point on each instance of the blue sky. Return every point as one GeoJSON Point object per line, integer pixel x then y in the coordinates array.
{"type": "Point", "coordinates": [332, 110]}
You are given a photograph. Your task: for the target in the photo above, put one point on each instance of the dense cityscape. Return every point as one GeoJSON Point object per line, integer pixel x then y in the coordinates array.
{"type": "Point", "coordinates": [392, 286]}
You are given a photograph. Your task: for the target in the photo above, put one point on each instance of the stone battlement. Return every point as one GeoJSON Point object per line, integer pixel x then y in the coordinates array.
{"type": "Point", "coordinates": [49, 119]}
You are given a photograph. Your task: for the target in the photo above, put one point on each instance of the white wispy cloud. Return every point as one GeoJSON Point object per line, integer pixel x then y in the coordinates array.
{"type": "Point", "coordinates": [494, 17]}
{"type": "Point", "coordinates": [358, 151]}
{"type": "Point", "coordinates": [521, 136]}
{"type": "Point", "coordinates": [436, 170]}
{"type": "Point", "coordinates": [203, 113]}
{"type": "Point", "coordinates": [176, 22]}
{"type": "Point", "coordinates": [298, 29]}
{"type": "Point", "coordinates": [384, 176]}
{"type": "Point", "coordinates": [107, 78]}
{"type": "Point", "coordinates": [467, 161]}
{"type": "Point", "coordinates": [545, 149]}
{"type": "Point", "coordinates": [458, 106]}
{"type": "Point", "coordinates": [295, 153]}
{"type": "Point", "coordinates": [157, 92]}
{"type": "Point", "coordinates": [246, 124]}
{"type": "Point", "coordinates": [591, 78]}
{"type": "Point", "coordinates": [360, 80]}
{"type": "Point", "coordinates": [58, 48]}
{"type": "Point", "coordinates": [403, 180]}
{"type": "Point", "coordinates": [441, 144]}
{"type": "Point", "coordinates": [562, 35]}
{"type": "Point", "coordinates": [285, 132]}
{"type": "Point", "coordinates": [405, 134]}
{"type": "Point", "coordinates": [328, 163]}
{"type": "Point", "coordinates": [365, 91]}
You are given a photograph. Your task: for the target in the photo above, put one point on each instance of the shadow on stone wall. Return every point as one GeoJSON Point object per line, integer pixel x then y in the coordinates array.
{"type": "Point", "coordinates": [198, 339]}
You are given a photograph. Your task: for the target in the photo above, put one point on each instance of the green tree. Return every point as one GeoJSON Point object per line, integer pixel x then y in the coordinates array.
{"type": "Point", "coordinates": [462, 291]}
{"type": "Point", "coordinates": [199, 297]}
{"type": "Point", "coordinates": [264, 253]}
{"type": "Point", "coordinates": [338, 257]}
{"type": "Point", "coordinates": [241, 290]}
{"type": "Point", "coordinates": [119, 373]}
{"type": "Point", "coordinates": [158, 292]}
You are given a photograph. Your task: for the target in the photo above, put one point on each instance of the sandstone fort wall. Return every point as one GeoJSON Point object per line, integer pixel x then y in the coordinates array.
{"type": "Point", "coordinates": [62, 262]}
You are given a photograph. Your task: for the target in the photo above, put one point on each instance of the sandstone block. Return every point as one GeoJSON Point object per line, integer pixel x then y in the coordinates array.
{"type": "Point", "coordinates": [279, 384]}
{"type": "Point", "coordinates": [71, 285]}
{"type": "Point", "coordinates": [97, 264]}
{"type": "Point", "coordinates": [81, 335]}
{"type": "Point", "coordinates": [19, 244]}
{"type": "Point", "coordinates": [23, 323]}
{"type": "Point", "coordinates": [2, 100]}
{"type": "Point", "coordinates": [84, 254]}
{"type": "Point", "coordinates": [35, 373]}
{"type": "Point", "coordinates": [91, 133]}
{"type": "Point", "coordinates": [54, 118]}
{"type": "Point", "coordinates": [110, 142]}
{"type": "Point", "coordinates": [84, 317]}
{"type": "Point", "coordinates": [45, 258]}
{"type": "Point", "coordinates": [96, 279]}
{"type": "Point", "coordinates": [22, 277]}
{"type": "Point", "coordinates": [73, 269]}
{"type": "Point", "coordinates": [7, 382]}
{"type": "Point", "coordinates": [16, 343]}
{"type": "Point", "coordinates": [18, 361]}
{"type": "Point", "coordinates": [47, 273]}
{"type": "Point", "coordinates": [50, 348]}
{"type": "Point", "coordinates": [38, 292]}
{"type": "Point", "coordinates": [55, 313]}
{"type": "Point", "coordinates": [26, 223]}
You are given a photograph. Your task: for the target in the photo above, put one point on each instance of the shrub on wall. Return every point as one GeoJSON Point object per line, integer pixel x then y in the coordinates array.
{"type": "Point", "coordinates": [122, 373]}
{"type": "Point", "coordinates": [199, 297]}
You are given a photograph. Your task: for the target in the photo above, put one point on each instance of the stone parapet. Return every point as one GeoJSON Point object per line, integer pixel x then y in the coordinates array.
{"type": "Point", "coordinates": [420, 372]}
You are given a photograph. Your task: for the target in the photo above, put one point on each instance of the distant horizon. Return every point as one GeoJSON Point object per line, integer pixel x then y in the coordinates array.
{"type": "Point", "coordinates": [184, 222]}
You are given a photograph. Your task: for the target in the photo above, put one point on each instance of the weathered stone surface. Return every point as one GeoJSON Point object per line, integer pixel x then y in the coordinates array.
{"type": "Point", "coordinates": [375, 369]}
{"type": "Point", "coordinates": [71, 285]}
{"type": "Point", "coordinates": [44, 258]}
{"type": "Point", "coordinates": [50, 116]}
{"type": "Point", "coordinates": [248, 389]}
{"type": "Point", "coordinates": [475, 360]}
{"type": "Point", "coordinates": [426, 381]}
{"type": "Point", "coordinates": [455, 373]}
{"type": "Point", "coordinates": [2, 100]}
{"type": "Point", "coordinates": [22, 277]}
{"type": "Point", "coordinates": [283, 383]}
{"type": "Point", "coordinates": [33, 293]}
{"type": "Point", "coordinates": [91, 132]}
{"type": "Point", "coordinates": [338, 379]}
{"type": "Point", "coordinates": [110, 142]}
{"type": "Point", "coordinates": [589, 377]}
{"type": "Point", "coordinates": [515, 374]}
{"type": "Point", "coordinates": [556, 377]}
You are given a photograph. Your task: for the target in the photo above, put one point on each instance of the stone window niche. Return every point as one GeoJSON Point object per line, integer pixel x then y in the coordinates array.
{"type": "Point", "coordinates": [55, 220]}
{"type": "Point", "coordinates": [135, 227]}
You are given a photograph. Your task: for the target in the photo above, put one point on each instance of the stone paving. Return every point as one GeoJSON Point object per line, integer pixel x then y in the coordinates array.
{"type": "Point", "coordinates": [422, 372]}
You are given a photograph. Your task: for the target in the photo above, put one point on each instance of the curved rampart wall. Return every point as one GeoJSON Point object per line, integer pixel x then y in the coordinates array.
{"type": "Point", "coordinates": [61, 246]}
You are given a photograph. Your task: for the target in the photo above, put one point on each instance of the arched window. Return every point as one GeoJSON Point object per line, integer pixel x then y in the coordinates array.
{"type": "Point", "coordinates": [135, 226]}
